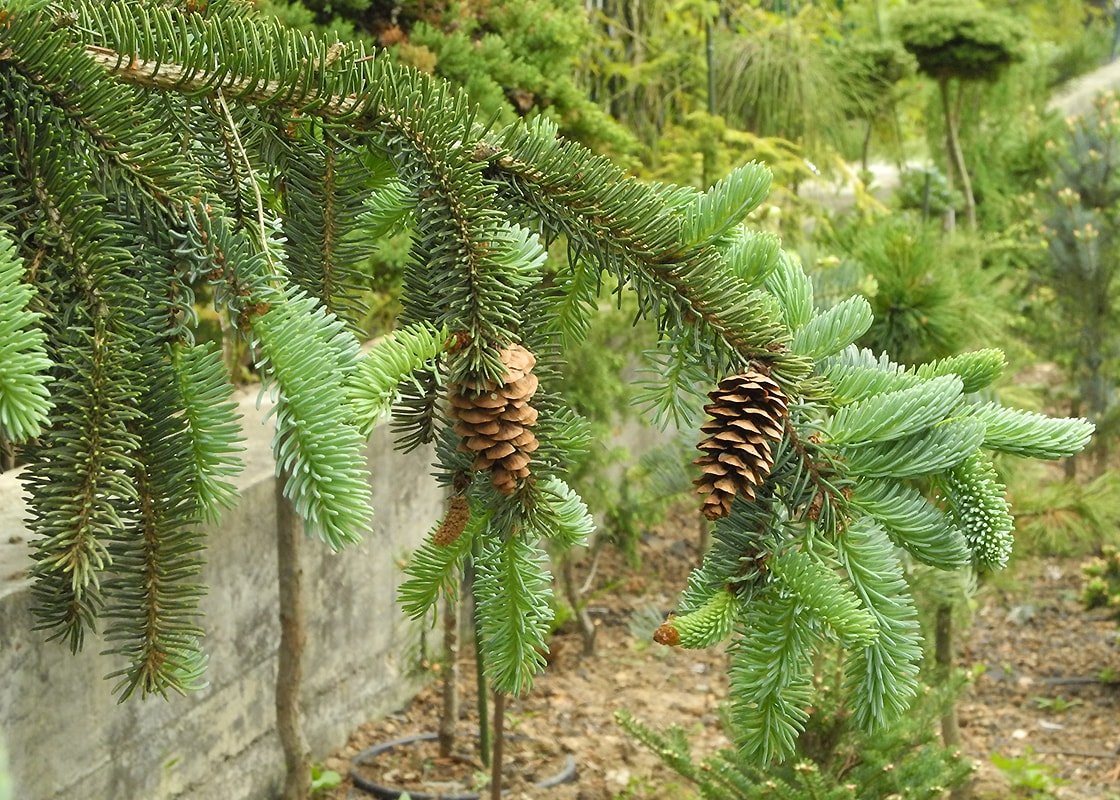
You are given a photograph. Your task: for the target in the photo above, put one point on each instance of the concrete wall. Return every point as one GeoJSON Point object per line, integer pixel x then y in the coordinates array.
{"type": "Point", "coordinates": [67, 737]}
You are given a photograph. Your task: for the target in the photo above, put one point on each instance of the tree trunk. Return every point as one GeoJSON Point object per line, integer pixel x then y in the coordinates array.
{"type": "Point", "coordinates": [479, 671]}
{"type": "Point", "coordinates": [293, 639]}
{"type": "Point", "coordinates": [587, 629]}
{"type": "Point", "coordinates": [710, 55]}
{"type": "Point", "coordinates": [956, 156]}
{"type": "Point", "coordinates": [943, 657]}
{"type": "Point", "coordinates": [449, 717]}
{"type": "Point", "coordinates": [499, 746]}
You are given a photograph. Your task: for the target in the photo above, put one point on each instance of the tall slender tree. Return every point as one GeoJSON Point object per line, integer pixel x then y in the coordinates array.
{"type": "Point", "coordinates": [956, 41]}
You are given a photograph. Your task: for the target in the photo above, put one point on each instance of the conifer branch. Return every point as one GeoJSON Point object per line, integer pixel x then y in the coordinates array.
{"type": "Point", "coordinates": [24, 396]}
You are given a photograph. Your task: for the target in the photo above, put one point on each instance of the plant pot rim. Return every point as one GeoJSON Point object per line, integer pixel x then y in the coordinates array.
{"type": "Point", "coordinates": [565, 775]}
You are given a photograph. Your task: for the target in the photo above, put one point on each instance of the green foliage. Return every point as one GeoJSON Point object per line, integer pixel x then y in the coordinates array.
{"type": "Point", "coordinates": [323, 779]}
{"type": "Point", "coordinates": [512, 591]}
{"type": "Point", "coordinates": [719, 210]}
{"type": "Point", "coordinates": [940, 448]}
{"type": "Point", "coordinates": [562, 516]}
{"type": "Point", "coordinates": [977, 369]}
{"type": "Point", "coordinates": [926, 190]}
{"type": "Point", "coordinates": [373, 384]}
{"type": "Point", "coordinates": [925, 291]}
{"type": "Point", "coordinates": [707, 625]}
{"type": "Point", "coordinates": [1065, 517]}
{"type": "Point", "coordinates": [1005, 129]}
{"type": "Point", "coordinates": [893, 415]}
{"type": "Point", "coordinates": [306, 355]}
{"type": "Point", "coordinates": [144, 146]}
{"type": "Point", "coordinates": [882, 675]}
{"type": "Point", "coordinates": [959, 39]}
{"type": "Point", "coordinates": [212, 423]}
{"type": "Point", "coordinates": [1073, 312]}
{"type": "Point", "coordinates": [837, 760]}
{"type": "Point", "coordinates": [775, 77]}
{"type": "Point", "coordinates": [771, 672]}
{"type": "Point", "coordinates": [1024, 772]}
{"type": "Point", "coordinates": [874, 69]}
{"type": "Point", "coordinates": [823, 594]}
{"type": "Point", "coordinates": [913, 522]}
{"type": "Point", "coordinates": [1032, 435]}
{"type": "Point", "coordinates": [835, 329]}
{"type": "Point", "coordinates": [24, 395]}
{"type": "Point", "coordinates": [433, 570]}
{"type": "Point", "coordinates": [974, 498]}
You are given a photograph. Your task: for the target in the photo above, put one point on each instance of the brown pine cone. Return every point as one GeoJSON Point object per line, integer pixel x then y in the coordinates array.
{"type": "Point", "coordinates": [495, 420]}
{"type": "Point", "coordinates": [747, 413]}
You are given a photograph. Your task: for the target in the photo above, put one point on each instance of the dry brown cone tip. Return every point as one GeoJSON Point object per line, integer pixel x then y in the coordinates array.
{"type": "Point", "coordinates": [746, 414]}
{"type": "Point", "coordinates": [667, 633]}
{"type": "Point", "coordinates": [495, 420]}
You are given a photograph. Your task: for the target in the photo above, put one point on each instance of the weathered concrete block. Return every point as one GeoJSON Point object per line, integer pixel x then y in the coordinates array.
{"type": "Point", "coordinates": [67, 737]}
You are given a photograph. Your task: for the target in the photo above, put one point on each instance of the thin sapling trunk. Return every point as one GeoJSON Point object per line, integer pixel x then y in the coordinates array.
{"type": "Point", "coordinates": [450, 713]}
{"type": "Point", "coordinates": [499, 746]}
{"type": "Point", "coordinates": [293, 640]}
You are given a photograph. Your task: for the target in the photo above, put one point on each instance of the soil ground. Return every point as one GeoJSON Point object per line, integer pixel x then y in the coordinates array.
{"type": "Point", "coordinates": [1043, 693]}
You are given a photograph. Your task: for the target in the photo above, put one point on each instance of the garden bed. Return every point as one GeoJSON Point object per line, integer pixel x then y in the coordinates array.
{"type": "Point", "coordinates": [1037, 699]}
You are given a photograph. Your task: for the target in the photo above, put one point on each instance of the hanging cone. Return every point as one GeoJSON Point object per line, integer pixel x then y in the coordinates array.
{"type": "Point", "coordinates": [494, 420]}
{"type": "Point", "coordinates": [746, 414]}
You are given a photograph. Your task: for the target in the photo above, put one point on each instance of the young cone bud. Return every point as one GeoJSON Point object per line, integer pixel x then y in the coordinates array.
{"type": "Point", "coordinates": [746, 414]}
{"type": "Point", "coordinates": [454, 522]}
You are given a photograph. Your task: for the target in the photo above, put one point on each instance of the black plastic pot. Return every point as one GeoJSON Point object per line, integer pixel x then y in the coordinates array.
{"type": "Point", "coordinates": [566, 775]}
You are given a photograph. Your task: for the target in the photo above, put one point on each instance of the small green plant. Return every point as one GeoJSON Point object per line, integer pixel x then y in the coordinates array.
{"type": "Point", "coordinates": [1056, 704]}
{"type": "Point", "coordinates": [1024, 772]}
{"type": "Point", "coordinates": [636, 787]}
{"type": "Point", "coordinates": [323, 779]}
{"type": "Point", "coordinates": [835, 759]}
{"type": "Point", "coordinates": [927, 190]}
{"type": "Point", "coordinates": [480, 780]}
{"type": "Point", "coordinates": [1101, 588]}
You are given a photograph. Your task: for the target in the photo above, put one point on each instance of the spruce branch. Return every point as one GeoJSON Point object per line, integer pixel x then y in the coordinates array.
{"type": "Point", "coordinates": [882, 675]}
{"type": "Point", "coordinates": [24, 364]}
{"type": "Point", "coordinates": [77, 479]}
{"type": "Point", "coordinates": [939, 448]}
{"type": "Point", "coordinates": [705, 626]}
{"type": "Point", "coordinates": [434, 568]}
{"type": "Point", "coordinates": [374, 385]}
{"type": "Point", "coordinates": [976, 369]}
{"type": "Point", "coordinates": [893, 415]}
{"type": "Point", "coordinates": [771, 684]}
{"type": "Point", "coordinates": [512, 590]}
{"type": "Point", "coordinates": [152, 595]}
{"type": "Point", "coordinates": [1025, 433]}
{"type": "Point", "coordinates": [306, 355]}
{"type": "Point", "coordinates": [213, 425]}
{"type": "Point", "coordinates": [823, 593]}
{"type": "Point", "coordinates": [831, 331]}
{"type": "Point", "coordinates": [634, 233]}
{"type": "Point", "coordinates": [975, 499]}
{"type": "Point", "coordinates": [917, 525]}
{"type": "Point", "coordinates": [560, 515]}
